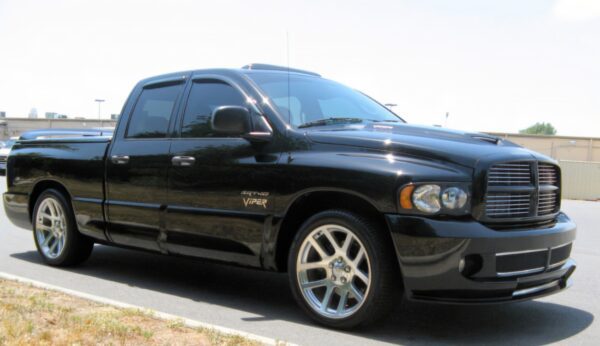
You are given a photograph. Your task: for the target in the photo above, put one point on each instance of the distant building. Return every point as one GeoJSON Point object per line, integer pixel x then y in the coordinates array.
{"type": "Point", "coordinates": [2, 114]}
{"type": "Point", "coordinates": [114, 117]}
{"type": "Point", "coordinates": [54, 115]}
{"type": "Point", "coordinates": [33, 114]}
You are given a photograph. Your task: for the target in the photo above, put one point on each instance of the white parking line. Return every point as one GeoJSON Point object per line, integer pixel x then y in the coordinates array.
{"type": "Point", "coordinates": [161, 315]}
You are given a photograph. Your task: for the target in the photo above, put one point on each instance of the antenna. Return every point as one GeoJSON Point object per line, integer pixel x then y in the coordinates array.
{"type": "Point", "coordinates": [287, 44]}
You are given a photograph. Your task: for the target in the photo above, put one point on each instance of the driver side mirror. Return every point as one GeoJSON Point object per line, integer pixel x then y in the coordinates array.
{"type": "Point", "coordinates": [236, 121]}
{"type": "Point", "coordinates": [231, 120]}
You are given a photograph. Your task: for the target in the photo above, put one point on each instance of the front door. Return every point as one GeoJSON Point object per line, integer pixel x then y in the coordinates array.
{"type": "Point", "coordinates": [219, 197]}
{"type": "Point", "coordinates": [137, 167]}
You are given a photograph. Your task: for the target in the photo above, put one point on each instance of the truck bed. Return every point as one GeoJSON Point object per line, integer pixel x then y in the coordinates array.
{"type": "Point", "coordinates": [77, 162]}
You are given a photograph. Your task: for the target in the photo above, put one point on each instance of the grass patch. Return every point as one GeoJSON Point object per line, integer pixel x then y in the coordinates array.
{"type": "Point", "coordinates": [33, 316]}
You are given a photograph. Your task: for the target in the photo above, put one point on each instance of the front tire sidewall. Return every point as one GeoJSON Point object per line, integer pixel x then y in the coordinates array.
{"type": "Point", "coordinates": [71, 231]}
{"type": "Point", "coordinates": [363, 315]}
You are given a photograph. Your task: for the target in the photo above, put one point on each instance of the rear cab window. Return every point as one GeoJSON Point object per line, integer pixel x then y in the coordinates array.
{"type": "Point", "coordinates": [153, 112]}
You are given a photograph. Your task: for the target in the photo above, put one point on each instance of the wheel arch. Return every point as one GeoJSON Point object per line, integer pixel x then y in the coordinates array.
{"type": "Point", "coordinates": [42, 186]}
{"type": "Point", "coordinates": [312, 202]}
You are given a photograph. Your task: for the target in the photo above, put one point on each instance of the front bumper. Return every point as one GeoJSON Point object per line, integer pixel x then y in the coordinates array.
{"type": "Point", "coordinates": [467, 262]}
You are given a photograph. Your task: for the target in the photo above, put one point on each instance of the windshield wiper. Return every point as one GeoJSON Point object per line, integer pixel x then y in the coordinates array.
{"type": "Point", "coordinates": [384, 121]}
{"type": "Point", "coordinates": [331, 121]}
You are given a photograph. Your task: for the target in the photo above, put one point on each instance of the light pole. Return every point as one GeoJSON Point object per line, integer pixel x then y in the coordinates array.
{"type": "Point", "coordinates": [99, 104]}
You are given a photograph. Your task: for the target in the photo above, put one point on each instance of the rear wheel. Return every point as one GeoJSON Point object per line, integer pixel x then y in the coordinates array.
{"type": "Point", "coordinates": [342, 270]}
{"type": "Point", "coordinates": [55, 232]}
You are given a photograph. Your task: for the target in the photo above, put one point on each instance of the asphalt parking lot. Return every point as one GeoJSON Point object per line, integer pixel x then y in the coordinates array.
{"type": "Point", "coordinates": [261, 303]}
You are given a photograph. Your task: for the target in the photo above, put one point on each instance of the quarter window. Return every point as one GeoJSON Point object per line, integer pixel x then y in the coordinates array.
{"type": "Point", "coordinates": [205, 96]}
{"type": "Point", "coordinates": [153, 111]}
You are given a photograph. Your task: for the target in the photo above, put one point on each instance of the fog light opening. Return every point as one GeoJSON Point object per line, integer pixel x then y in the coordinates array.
{"type": "Point", "coordinates": [470, 265]}
{"type": "Point", "coordinates": [461, 265]}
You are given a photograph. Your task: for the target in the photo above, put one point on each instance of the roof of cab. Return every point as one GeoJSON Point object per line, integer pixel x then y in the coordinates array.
{"type": "Point", "coordinates": [246, 69]}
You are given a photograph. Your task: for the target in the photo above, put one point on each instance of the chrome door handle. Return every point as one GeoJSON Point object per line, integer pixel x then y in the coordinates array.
{"type": "Point", "coordinates": [120, 159]}
{"type": "Point", "coordinates": [183, 161]}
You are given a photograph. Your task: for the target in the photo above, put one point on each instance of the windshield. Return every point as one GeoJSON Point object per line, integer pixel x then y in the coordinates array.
{"type": "Point", "coordinates": [308, 100]}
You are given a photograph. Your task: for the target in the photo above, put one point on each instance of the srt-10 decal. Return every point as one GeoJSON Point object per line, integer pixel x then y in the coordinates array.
{"type": "Point", "coordinates": [255, 198]}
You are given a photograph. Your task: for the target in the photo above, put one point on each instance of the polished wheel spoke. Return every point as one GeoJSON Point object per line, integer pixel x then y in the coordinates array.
{"type": "Point", "coordinates": [343, 299]}
{"type": "Point", "coordinates": [347, 243]}
{"type": "Point", "coordinates": [322, 276]}
{"type": "Point", "coordinates": [327, 298]}
{"type": "Point", "coordinates": [50, 227]}
{"type": "Point", "coordinates": [359, 257]}
{"type": "Point", "coordinates": [42, 227]}
{"type": "Point", "coordinates": [362, 276]}
{"type": "Point", "coordinates": [331, 239]}
{"type": "Point", "coordinates": [356, 293]}
{"type": "Point", "coordinates": [61, 242]}
{"type": "Point", "coordinates": [317, 247]}
{"type": "Point", "coordinates": [315, 284]}
{"type": "Point", "coordinates": [54, 246]}
{"type": "Point", "coordinates": [48, 238]}
{"type": "Point", "coordinates": [49, 217]}
{"type": "Point", "coordinates": [312, 265]}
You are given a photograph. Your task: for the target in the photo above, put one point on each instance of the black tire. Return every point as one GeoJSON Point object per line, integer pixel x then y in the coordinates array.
{"type": "Point", "coordinates": [77, 248]}
{"type": "Point", "coordinates": [385, 289]}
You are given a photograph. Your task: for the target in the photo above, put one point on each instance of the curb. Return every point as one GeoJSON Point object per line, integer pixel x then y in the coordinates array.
{"type": "Point", "coordinates": [157, 314]}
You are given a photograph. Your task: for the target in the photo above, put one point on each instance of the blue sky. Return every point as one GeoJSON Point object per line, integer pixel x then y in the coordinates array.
{"type": "Point", "coordinates": [494, 65]}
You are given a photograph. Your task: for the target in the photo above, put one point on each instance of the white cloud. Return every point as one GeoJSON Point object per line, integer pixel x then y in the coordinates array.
{"type": "Point", "coordinates": [577, 10]}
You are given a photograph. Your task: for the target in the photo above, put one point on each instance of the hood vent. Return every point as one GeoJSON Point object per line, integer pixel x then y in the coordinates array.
{"type": "Point", "coordinates": [493, 140]}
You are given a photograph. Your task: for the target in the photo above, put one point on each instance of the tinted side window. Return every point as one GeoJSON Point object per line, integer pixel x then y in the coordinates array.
{"type": "Point", "coordinates": [153, 110]}
{"type": "Point", "coordinates": [205, 96]}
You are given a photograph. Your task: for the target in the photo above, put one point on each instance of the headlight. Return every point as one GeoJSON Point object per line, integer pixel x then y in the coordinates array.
{"type": "Point", "coordinates": [435, 198]}
{"type": "Point", "coordinates": [454, 198]}
{"type": "Point", "coordinates": [427, 198]}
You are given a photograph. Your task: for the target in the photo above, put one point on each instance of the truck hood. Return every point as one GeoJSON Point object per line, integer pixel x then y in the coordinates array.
{"type": "Point", "coordinates": [434, 143]}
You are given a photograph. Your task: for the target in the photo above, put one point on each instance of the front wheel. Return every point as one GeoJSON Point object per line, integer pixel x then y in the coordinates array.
{"type": "Point", "coordinates": [55, 232]}
{"type": "Point", "coordinates": [342, 270]}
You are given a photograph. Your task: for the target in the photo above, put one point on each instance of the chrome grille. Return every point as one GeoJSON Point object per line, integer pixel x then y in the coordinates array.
{"type": "Point", "coordinates": [547, 202]}
{"type": "Point", "coordinates": [510, 174]}
{"type": "Point", "coordinates": [548, 174]}
{"type": "Point", "coordinates": [507, 204]}
{"type": "Point", "coordinates": [513, 190]}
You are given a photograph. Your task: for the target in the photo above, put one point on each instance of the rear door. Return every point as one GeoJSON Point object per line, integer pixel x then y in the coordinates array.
{"type": "Point", "coordinates": [137, 165]}
{"type": "Point", "coordinates": [219, 189]}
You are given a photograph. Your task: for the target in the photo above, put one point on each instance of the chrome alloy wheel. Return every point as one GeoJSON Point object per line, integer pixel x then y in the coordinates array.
{"type": "Point", "coordinates": [333, 271]}
{"type": "Point", "coordinates": [51, 227]}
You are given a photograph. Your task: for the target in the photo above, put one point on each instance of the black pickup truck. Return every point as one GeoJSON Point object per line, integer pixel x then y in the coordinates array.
{"type": "Point", "coordinates": [281, 169]}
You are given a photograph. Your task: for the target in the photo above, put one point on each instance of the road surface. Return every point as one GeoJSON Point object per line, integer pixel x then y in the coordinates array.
{"type": "Point", "coordinates": [261, 303]}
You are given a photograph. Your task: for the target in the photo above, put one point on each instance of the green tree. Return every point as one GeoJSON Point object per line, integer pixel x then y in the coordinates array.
{"type": "Point", "coordinates": [539, 129]}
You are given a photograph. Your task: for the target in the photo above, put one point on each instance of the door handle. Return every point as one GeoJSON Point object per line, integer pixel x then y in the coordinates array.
{"type": "Point", "coordinates": [120, 159]}
{"type": "Point", "coordinates": [183, 161]}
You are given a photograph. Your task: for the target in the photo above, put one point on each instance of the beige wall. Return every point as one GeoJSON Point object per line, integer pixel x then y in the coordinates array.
{"type": "Point", "coordinates": [580, 180]}
{"type": "Point", "coordinates": [12, 127]}
{"type": "Point", "coordinates": [558, 147]}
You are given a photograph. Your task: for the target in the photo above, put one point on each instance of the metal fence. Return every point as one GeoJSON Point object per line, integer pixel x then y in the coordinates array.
{"type": "Point", "coordinates": [580, 180]}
